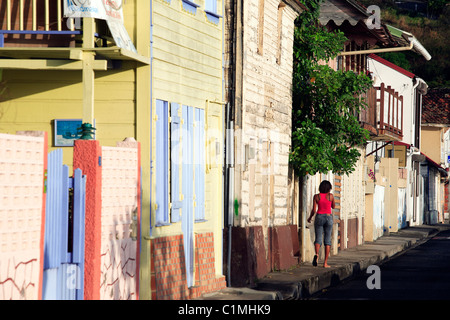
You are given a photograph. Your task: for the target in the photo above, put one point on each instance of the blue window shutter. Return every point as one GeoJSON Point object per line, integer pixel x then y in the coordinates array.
{"type": "Point", "coordinates": [186, 151]}
{"type": "Point", "coordinates": [211, 6]}
{"type": "Point", "coordinates": [162, 144]}
{"type": "Point", "coordinates": [175, 161]}
{"type": "Point", "coordinates": [187, 222]}
{"type": "Point", "coordinates": [199, 164]}
{"type": "Point", "coordinates": [188, 155]}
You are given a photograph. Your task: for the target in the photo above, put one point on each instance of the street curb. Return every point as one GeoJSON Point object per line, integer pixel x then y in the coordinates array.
{"type": "Point", "coordinates": [241, 294]}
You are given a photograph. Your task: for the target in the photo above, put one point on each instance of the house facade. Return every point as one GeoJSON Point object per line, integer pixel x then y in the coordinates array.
{"type": "Point", "coordinates": [156, 75]}
{"type": "Point", "coordinates": [185, 234]}
{"type": "Point", "coordinates": [435, 146]}
{"type": "Point", "coordinates": [58, 73]}
{"type": "Point", "coordinates": [405, 200]}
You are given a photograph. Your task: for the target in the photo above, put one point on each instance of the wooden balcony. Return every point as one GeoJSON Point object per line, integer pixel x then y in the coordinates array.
{"type": "Point", "coordinates": [35, 23]}
{"type": "Point", "coordinates": [383, 117]}
{"type": "Point", "coordinates": [34, 35]}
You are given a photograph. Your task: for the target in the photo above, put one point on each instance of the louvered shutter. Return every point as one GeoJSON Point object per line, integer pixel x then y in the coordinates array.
{"type": "Point", "coordinates": [162, 163]}
{"type": "Point", "coordinates": [175, 161]}
{"type": "Point", "coordinates": [199, 149]}
{"type": "Point", "coordinates": [187, 187]}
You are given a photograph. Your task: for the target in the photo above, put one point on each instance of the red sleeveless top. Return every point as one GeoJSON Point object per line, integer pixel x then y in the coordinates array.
{"type": "Point", "coordinates": [324, 205]}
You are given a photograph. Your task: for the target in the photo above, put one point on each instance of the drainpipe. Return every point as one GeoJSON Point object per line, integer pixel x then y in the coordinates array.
{"type": "Point", "coordinates": [413, 44]}
{"type": "Point", "coordinates": [413, 114]}
{"type": "Point", "coordinates": [230, 190]}
{"type": "Point", "coordinates": [229, 137]}
{"type": "Point", "coordinates": [225, 125]}
{"type": "Point", "coordinates": [151, 109]}
{"type": "Point", "coordinates": [418, 46]}
{"type": "Point", "coordinates": [350, 53]}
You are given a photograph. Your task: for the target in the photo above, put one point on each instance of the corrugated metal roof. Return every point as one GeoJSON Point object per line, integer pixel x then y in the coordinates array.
{"type": "Point", "coordinates": [349, 13]}
{"type": "Point", "coordinates": [339, 11]}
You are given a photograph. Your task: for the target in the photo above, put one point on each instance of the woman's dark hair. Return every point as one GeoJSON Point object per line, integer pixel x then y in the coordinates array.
{"type": "Point", "coordinates": [325, 186]}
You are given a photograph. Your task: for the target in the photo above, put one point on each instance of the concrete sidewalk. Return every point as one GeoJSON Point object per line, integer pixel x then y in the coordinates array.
{"type": "Point", "coordinates": [304, 280]}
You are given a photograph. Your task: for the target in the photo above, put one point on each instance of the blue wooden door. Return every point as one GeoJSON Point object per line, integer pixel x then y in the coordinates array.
{"type": "Point", "coordinates": [187, 220]}
{"type": "Point", "coordinates": [186, 148]}
{"type": "Point", "coordinates": [64, 232]}
{"type": "Point", "coordinates": [176, 160]}
{"type": "Point", "coordinates": [199, 164]}
{"type": "Point", "coordinates": [193, 180]}
{"type": "Point", "coordinates": [162, 164]}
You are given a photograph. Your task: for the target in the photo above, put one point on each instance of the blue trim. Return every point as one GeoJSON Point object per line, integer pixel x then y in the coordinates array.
{"type": "Point", "coordinates": [162, 163]}
{"type": "Point", "coordinates": [151, 122]}
{"type": "Point", "coordinates": [213, 14]}
{"type": "Point", "coordinates": [40, 32]}
{"type": "Point", "coordinates": [3, 32]}
{"type": "Point", "coordinates": [190, 6]}
{"type": "Point", "coordinates": [162, 224]}
{"type": "Point", "coordinates": [213, 17]}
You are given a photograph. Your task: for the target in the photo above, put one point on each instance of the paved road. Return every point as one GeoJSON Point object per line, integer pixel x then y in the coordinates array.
{"type": "Point", "coordinates": [421, 273]}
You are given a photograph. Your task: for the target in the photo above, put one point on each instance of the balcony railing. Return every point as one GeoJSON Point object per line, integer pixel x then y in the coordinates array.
{"type": "Point", "coordinates": [384, 114]}
{"type": "Point", "coordinates": [35, 23]}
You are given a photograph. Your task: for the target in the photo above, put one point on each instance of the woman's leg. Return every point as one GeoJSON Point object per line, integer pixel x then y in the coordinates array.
{"type": "Point", "coordinates": [317, 248]}
{"type": "Point", "coordinates": [316, 257]}
{"type": "Point", "coordinates": [328, 228]}
{"type": "Point", "coordinates": [327, 253]}
{"type": "Point", "coordinates": [319, 230]}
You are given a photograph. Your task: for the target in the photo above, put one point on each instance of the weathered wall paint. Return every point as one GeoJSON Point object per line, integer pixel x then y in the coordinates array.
{"type": "Point", "coordinates": [120, 207]}
{"type": "Point", "coordinates": [86, 158]}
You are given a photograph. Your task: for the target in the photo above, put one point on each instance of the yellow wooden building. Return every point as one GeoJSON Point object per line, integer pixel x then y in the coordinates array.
{"type": "Point", "coordinates": [167, 94]}
{"type": "Point", "coordinates": [187, 82]}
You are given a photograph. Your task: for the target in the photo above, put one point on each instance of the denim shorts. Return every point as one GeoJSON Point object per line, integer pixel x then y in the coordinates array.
{"type": "Point", "coordinates": [323, 226]}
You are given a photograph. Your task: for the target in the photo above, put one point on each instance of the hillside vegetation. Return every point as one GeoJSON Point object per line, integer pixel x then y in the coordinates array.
{"type": "Point", "coordinates": [431, 28]}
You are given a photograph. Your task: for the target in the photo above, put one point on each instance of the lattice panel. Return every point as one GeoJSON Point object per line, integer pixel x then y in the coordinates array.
{"type": "Point", "coordinates": [21, 193]}
{"type": "Point", "coordinates": [119, 204]}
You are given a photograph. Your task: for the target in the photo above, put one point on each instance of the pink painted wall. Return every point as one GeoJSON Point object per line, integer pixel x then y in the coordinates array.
{"type": "Point", "coordinates": [23, 162]}
{"type": "Point", "coordinates": [112, 204]}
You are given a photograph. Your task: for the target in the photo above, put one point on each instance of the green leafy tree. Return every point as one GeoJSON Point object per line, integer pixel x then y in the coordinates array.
{"type": "Point", "coordinates": [435, 7]}
{"type": "Point", "coordinates": [326, 102]}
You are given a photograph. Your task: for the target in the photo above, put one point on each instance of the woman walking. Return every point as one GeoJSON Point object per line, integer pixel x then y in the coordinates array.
{"type": "Point", "coordinates": [323, 203]}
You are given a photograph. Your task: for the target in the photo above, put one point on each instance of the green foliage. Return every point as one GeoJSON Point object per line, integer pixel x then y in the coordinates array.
{"type": "Point", "coordinates": [436, 6]}
{"type": "Point", "coordinates": [431, 28]}
{"type": "Point", "coordinates": [325, 126]}
{"type": "Point", "coordinates": [397, 58]}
